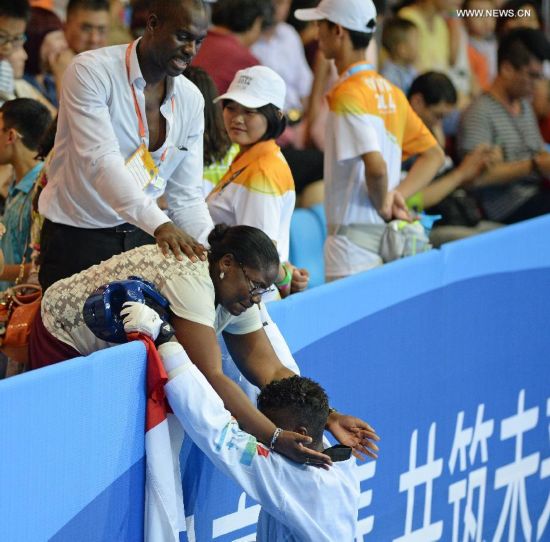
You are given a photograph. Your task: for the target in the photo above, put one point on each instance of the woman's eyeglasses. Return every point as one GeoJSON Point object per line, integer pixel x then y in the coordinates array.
{"type": "Point", "coordinates": [255, 289]}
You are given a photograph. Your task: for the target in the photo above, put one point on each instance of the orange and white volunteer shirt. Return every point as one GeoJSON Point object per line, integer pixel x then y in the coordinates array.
{"type": "Point", "coordinates": [257, 190]}
{"type": "Point", "coordinates": [366, 114]}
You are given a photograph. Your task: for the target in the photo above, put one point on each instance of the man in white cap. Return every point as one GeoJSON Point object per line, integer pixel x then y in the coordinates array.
{"type": "Point", "coordinates": [371, 127]}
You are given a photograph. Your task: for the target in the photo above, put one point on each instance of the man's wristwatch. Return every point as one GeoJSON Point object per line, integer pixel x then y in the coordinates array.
{"type": "Point", "coordinates": [165, 334]}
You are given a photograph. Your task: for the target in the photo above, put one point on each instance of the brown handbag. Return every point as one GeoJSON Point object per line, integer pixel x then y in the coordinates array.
{"type": "Point", "coordinates": [18, 310]}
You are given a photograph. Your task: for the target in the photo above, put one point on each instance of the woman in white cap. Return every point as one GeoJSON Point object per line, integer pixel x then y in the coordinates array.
{"type": "Point", "coordinates": [258, 188]}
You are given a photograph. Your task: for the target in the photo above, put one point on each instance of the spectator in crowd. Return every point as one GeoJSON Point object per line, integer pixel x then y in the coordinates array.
{"type": "Point", "coordinates": [23, 122]}
{"type": "Point", "coordinates": [371, 125]}
{"type": "Point", "coordinates": [86, 29]}
{"type": "Point", "coordinates": [281, 49]}
{"type": "Point", "coordinates": [218, 152]}
{"type": "Point", "coordinates": [87, 25]}
{"type": "Point", "coordinates": [294, 500]}
{"type": "Point", "coordinates": [541, 106]}
{"type": "Point", "coordinates": [526, 14]}
{"type": "Point", "coordinates": [42, 22]}
{"type": "Point", "coordinates": [482, 43]}
{"type": "Point", "coordinates": [236, 25]}
{"type": "Point", "coordinates": [503, 116]}
{"type": "Point", "coordinates": [44, 153]}
{"type": "Point", "coordinates": [258, 188]}
{"type": "Point", "coordinates": [206, 298]}
{"type": "Point", "coordinates": [7, 81]}
{"type": "Point", "coordinates": [306, 29]}
{"type": "Point", "coordinates": [21, 87]}
{"type": "Point", "coordinates": [400, 41]}
{"type": "Point", "coordinates": [434, 52]}
{"type": "Point", "coordinates": [14, 15]}
{"type": "Point", "coordinates": [432, 97]}
{"type": "Point", "coordinates": [459, 71]}
{"type": "Point", "coordinates": [127, 104]}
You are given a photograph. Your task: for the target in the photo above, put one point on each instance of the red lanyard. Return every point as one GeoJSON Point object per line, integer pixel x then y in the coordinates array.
{"type": "Point", "coordinates": [142, 131]}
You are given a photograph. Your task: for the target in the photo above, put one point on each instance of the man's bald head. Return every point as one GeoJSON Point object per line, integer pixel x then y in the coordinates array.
{"type": "Point", "coordinates": [165, 8]}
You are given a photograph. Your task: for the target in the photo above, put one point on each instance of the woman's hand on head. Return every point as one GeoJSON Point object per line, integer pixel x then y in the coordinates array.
{"type": "Point", "coordinates": [293, 446]}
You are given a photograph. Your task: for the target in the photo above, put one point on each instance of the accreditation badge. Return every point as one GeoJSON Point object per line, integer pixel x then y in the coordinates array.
{"type": "Point", "coordinates": [142, 167]}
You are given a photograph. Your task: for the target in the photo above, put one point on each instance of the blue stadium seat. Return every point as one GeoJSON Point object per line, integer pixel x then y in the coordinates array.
{"type": "Point", "coordinates": [307, 237]}
{"type": "Point", "coordinates": [319, 211]}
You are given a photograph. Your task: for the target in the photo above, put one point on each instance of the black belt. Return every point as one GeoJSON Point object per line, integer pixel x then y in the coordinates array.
{"type": "Point", "coordinates": [122, 228]}
{"type": "Point", "coordinates": [126, 227]}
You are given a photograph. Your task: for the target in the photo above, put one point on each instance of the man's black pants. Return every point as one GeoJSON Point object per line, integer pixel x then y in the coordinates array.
{"type": "Point", "coordinates": [66, 250]}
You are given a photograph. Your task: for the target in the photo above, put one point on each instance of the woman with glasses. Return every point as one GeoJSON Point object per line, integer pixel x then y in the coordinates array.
{"type": "Point", "coordinates": [219, 296]}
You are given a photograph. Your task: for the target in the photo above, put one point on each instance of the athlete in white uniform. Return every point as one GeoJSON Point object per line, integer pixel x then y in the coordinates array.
{"type": "Point", "coordinates": [300, 503]}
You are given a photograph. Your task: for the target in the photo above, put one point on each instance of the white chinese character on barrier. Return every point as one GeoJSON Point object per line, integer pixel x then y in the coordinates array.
{"type": "Point", "coordinates": [419, 476]}
{"type": "Point", "coordinates": [365, 525]}
{"type": "Point", "coordinates": [243, 517]}
{"type": "Point", "coordinates": [513, 475]}
{"type": "Point", "coordinates": [477, 480]}
{"type": "Point", "coordinates": [545, 473]}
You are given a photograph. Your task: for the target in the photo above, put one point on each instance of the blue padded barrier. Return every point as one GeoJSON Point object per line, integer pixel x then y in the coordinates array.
{"type": "Point", "coordinates": [72, 445]}
{"type": "Point", "coordinates": [446, 354]}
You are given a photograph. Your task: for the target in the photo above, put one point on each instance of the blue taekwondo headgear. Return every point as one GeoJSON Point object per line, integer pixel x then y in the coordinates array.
{"type": "Point", "coordinates": [102, 308]}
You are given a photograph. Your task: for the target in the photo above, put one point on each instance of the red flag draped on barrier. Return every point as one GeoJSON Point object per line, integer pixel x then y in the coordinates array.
{"type": "Point", "coordinates": [164, 516]}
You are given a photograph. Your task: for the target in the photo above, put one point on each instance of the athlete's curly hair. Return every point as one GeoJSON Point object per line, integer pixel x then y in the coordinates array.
{"type": "Point", "coordinates": [300, 400]}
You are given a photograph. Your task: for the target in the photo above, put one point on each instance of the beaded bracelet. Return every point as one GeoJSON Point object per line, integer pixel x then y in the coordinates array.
{"type": "Point", "coordinates": [274, 438]}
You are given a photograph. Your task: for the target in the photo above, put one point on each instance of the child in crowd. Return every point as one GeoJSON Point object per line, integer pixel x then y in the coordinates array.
{"type": "Point", "coordinates": [400, 40]}
{"type": "Point", "coordinates": [434, 41]}
{"type": "Point", "coordinates": [482, 43]}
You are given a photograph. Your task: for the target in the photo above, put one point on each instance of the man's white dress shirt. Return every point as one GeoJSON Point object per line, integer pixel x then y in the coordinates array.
{"type": "Point", "coordinates": [88, 184]}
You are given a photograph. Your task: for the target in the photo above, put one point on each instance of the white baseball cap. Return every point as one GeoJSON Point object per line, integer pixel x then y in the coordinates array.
{"type": "Point", "coordinates": [351, 14]}
{"type": "Point", "coordinates": [255, 87]}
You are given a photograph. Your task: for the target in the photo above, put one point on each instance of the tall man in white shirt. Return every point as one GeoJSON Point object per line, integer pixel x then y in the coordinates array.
{"type": "Point", "coordinates": [129, 131]}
